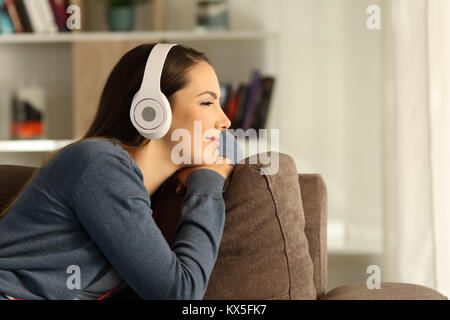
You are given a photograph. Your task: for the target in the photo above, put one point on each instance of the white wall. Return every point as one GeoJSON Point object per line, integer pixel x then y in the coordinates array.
{"type": "Point", "coordinates": [330, 114]}
{"type": "Point", "coordinates": [330, 102]}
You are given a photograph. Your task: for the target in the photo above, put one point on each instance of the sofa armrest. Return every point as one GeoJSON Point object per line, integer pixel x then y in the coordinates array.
{"type": "Point", "coordinates": [315, 205]}
{"type": "Point", "coordinates": [387, 291]}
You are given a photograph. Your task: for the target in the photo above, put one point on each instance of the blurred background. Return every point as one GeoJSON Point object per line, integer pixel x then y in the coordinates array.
{"type": "Point", "coordinates": [359, 90]}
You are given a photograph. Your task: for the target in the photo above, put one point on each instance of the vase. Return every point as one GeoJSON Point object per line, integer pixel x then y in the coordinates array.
{"type": "Point", "coordinates": [120, 18]}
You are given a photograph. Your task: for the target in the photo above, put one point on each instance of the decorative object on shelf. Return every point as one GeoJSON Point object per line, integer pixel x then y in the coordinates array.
{"type": "Point", "coordinates": [212, 14]}
{"type": "Point", "coordinates": [121, 14]}
{"type": "Point", "coordinates": [27, 113]}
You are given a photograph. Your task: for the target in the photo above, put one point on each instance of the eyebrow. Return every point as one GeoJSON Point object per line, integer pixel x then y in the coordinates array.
{"type": "Point", "coordinates": [209, 92]}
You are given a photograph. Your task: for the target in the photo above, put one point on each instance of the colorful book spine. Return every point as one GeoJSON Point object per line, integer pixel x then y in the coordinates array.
{"type": "Point", "coordinates": [60, 14]}
{"type": "Point", "coordinates": [252, 99]}
{"type": "Point", "coordinates": [25, 20]}
{"type": "Point", "coordinates": [34, 15]}
{"type": "Point", "coordinates": [14, 16]}
{"type": "Point", "coordinates": [232, 103]}
{"type": "Point", "coordinates": [242, 99]}
{"type": "Point", "coordinates": [6, 25]}
{"type": "Point", "coordinates": [32, 9]}
{"type": "Point", "coordinates": [267, 85]}
{"type": "Point", "coordinates": [47, 16]}
{"type": "Point", "coordinates": [246, 109]}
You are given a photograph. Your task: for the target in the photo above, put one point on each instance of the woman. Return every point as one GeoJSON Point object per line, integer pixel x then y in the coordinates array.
{"type": "Point", "coordinates": [82, 226]}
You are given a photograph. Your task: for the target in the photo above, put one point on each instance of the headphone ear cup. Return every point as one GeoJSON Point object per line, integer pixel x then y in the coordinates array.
{"type": "Point", "coordinates": [150, 112]}
{"type": "Point", "coordinates": [133, 101]}
{"type": "Point", "coordinates": [168, 108]}
{"type": "Point", "coordinates": [162, 112]}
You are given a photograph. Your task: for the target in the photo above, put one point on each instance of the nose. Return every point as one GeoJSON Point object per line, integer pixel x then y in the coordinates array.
{"type": "Point", "coordinates": [224, 122]}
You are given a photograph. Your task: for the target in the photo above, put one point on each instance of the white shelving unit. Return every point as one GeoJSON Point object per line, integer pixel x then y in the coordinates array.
{"type": "Point", "coordinates": [36, 145]}
{"type": "Point", "coordinates": [68, 37]}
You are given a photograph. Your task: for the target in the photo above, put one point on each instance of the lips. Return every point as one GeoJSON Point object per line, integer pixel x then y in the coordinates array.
{"type": "Point", "coordinates": [215, 140]}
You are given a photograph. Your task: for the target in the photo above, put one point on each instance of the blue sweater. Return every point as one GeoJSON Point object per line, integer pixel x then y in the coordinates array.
{"type": "Point", "coordinates": [84, 225]}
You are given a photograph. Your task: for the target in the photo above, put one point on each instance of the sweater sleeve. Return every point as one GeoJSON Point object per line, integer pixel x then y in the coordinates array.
{"type": "Point", "coordinates": [113, 205]}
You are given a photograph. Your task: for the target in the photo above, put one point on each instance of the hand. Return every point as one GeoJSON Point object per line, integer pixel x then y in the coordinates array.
{"type": "Point", "coordinates": [223, 166]}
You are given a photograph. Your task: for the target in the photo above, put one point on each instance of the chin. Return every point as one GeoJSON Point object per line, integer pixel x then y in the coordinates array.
{"type": "Point", "coordinates": [208, 156]}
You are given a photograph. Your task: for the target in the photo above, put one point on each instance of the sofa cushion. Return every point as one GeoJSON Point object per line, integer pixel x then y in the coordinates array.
{"type": "Point", "coordinates": [264, 251]}
{"type": "Point", "coordinates": [387, 291]}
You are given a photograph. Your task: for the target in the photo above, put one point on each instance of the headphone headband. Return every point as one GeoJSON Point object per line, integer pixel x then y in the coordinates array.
{"type": "Point", "coordinates": [153, 69]}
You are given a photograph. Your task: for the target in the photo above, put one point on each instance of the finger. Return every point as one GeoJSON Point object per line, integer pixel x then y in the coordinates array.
{"type": "Point", "coordinates": [223, 160]}
{"type": "Point", "coordinates": [227, 161]}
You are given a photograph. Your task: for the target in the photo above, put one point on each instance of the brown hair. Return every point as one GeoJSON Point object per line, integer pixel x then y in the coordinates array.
{"type": "Point", "coordinates": [112, 119]}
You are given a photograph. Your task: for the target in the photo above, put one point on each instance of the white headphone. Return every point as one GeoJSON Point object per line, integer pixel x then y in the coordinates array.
{"type": "Point", "coordinates": [150, 110]}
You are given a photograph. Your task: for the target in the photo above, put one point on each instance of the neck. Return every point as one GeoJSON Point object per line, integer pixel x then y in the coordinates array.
{"type": "Point", "coordinates": [155, 164]}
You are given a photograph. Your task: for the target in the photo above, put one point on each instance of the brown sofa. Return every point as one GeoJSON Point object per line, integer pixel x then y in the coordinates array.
{"type": "Point", "coordinates": [274, 244]}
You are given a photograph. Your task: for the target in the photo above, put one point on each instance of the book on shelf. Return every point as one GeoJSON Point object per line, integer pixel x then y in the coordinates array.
{"type": "Point", "coordinates": [252, 98]}
{"type": "Point", "coordinates": [8, 12]}
{"type": "Point", "coordinates": [239, 105]}
{"type": "Point", "coordinates": [38, 16]}
{"type": "Point", "coordinates": [60, 14]}
{"type": "Point", "coordinates": [267, 84]}
{"type": "Point", "coordinates": [32, 8]}
{"type": "Point", "coordinates": [47, 16]}
{"type": "Point", "coordinates": [6, 23]}
{"type": "Point", "coordinates": [24, 23]}
{"type": "Point", "coordinates": [230, 100]}
{"type": "Point", "coordinates": [247, 105]}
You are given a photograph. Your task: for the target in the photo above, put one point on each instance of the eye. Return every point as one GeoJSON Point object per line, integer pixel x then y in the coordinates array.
{"type": "Point", "coordinates": [206, 103]}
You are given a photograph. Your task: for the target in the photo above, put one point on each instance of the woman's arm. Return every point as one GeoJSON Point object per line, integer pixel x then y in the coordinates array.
{"type": "Point", "coordinates": [113, 205]}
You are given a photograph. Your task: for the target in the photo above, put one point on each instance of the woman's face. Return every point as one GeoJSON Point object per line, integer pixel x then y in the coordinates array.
{"type": "Point", "coordinates": [198, 116]}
